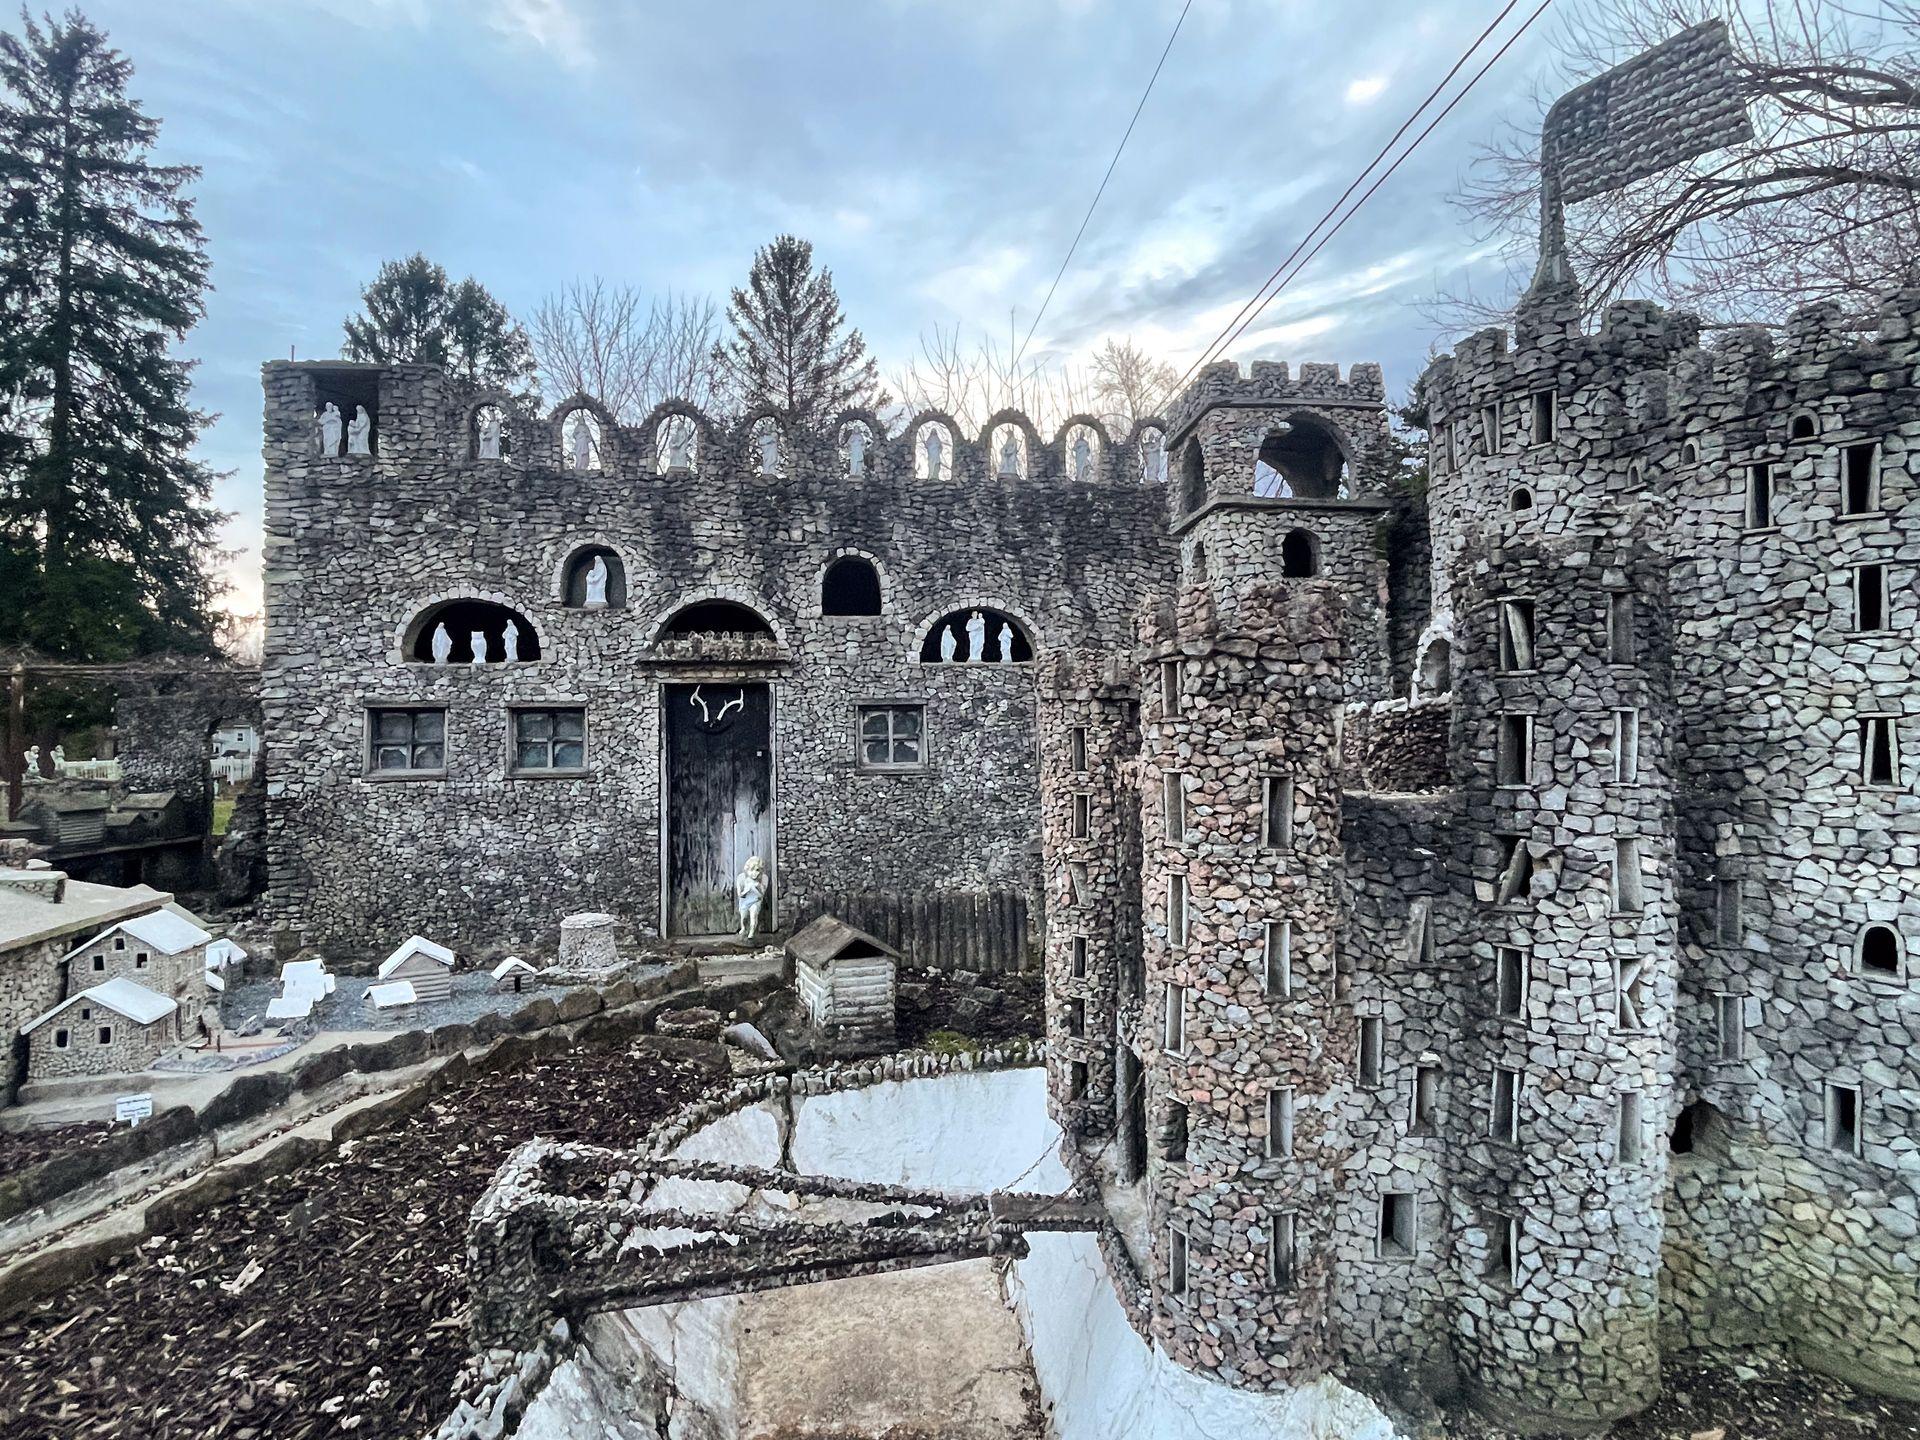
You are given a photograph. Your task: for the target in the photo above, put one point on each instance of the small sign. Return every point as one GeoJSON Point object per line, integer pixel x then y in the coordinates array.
{"type": "Point", "coordinates": [133, 1108]}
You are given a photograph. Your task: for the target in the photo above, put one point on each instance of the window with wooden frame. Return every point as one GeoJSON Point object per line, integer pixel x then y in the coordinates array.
{"type": "Point", "coordinates": [406, 740]}
{"type": "Point", "coordinates": [1759, 503]}
{"type": "Point", "coordinates": [549, 739]}
{"type": "Point", "coordinates": [1277, 959]}
{"type": "Point", "coordinates": [1516, 635]}
{"type": "Point", "coordinates": [1276, 812]}
{"type": "Point", "coordinates": [893, 737]}
{"type": "Point", "coordinates": [1082, 823]}
{"type": "Point", "coordinates": [1879, 750]}
{"type": "Point", "coordinates": [1869, 598]}
{"type": "Point", "coordinates": [1860, 479]}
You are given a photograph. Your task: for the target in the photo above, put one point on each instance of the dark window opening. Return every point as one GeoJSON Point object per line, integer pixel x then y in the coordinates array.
{"type": "Point", "coordinates": [1077, 957]}
{"type": "Point", "coordinates": [1299, 555]}
{"type": "Point", "coordinates": [448, 633]}
{"type": "Point", "coordinates": [1690, 453]}
{"type": "Point", "coordinates": [1510, 981]}
{"type": "Point", "coordinates": [1800, 428]}
{"type": "Point", "coordinates": [1879, 950]}
{"type": "Point", "coordinates": [1276, 812]}
{"type": "Point", "coordinates": [1175, 1137]}
{"type": "Point", "coordinates": [1503, 1249]}
{"type": "Point", "coordinates": [596, 579]}
{"type": "Point", "coordinates": [1282, 1260]}
{"type": "Point", "coordinates": [1519, 498]}
{"type": "Point", "coordinates": [954, 638]}
{"type": "Point", "coordinates": [1701, 1129]}
{"type": "Point", "coordinates": [1394, 1238]}
{"type": "Point", "coordinates": [1079, 749]}
{"type": "Point", "coordinates": [1759, 497]}
{"type": "Point", "coordinates": [1860, 475]}
{"type": "Point", "coordinates": [893, 737]}
{"type": "Point", "coordinates": [1843, 1119]}
{"type": "Point", "coordinates": [1869, 597]}
{"type": "Point", "coordinates": [1621, 649]}
{"type": "Point", "coordinates": [1193, 477]}
{"type": "Point", "coordinates": [1879, 763]}
{"type": "Point", "coordinates": [1436, 669]}
{"type": "Point", "coordinates": [61, 1039]}
{"type": "Point", "coordinates": [1516, 635]}
{"type": "Point", "coordinates": [1426, 1099]}
{"type": "Point", "coordinates": [1300, 459]}
{"type": "Point", "coordinates": [1503, 1119]}
{"type": "Point", "coordinates": [1373, 1049]}
{"type": "Point", "coordinates": [106, 1035]}
{"type": "Point", "coordinates": [717, 617]}
{"type": "Point", "coordinates": [1077, 1018]}
{"type": "Point", "coordinates": [1546, 417]}
{"type": "Point", "coordinates": [851, 586]}
{"type": "Point", "coordinates": [1199, 570]}
{"type": "Point", "coordinates": [1077, 1079]}
{"type": "Point", "coordinates": [1514, 757]}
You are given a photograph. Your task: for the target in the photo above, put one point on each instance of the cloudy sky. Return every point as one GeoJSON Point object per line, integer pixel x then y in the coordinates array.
{"type": "Point", "coordinates": [939, 154]}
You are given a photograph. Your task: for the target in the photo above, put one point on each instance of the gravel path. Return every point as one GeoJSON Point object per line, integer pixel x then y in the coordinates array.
{"type": "Point", "coordinates": [473, 996]}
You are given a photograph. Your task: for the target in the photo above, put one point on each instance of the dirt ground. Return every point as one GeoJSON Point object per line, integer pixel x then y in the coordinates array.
{"type": "Point", "coordinates": [981, 1008]}
{"type": "Point", "coordinates": [22, 1148]}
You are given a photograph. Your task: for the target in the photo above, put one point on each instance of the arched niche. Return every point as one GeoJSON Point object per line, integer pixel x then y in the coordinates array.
{"type": "Point", "coordinates": [856, 448]}
{"type": "Point", "coordinates": [1299, 555]}
{"type": "Point", "coordinates": [1301, 458]}
{"type": "Point", "coordinates": [1879, 952]}
{"type": "Point", "coordinates": [1193, 477]}
{"type": "Point", "coordinates": [1519, 499]}
{"type": "Point", "coordinates": [488, 437]}
{"type": "Point", "coordinates": [716, 617]}
{"type": "Point", "coordinates": [1008, 448]}
{"type": "Point", "coordinates": [582, 441]}
{"type": "Point", "coordinates": [676, 444]}
{"type": "Point", "coordinates": [582, 589]}
{"type": "Point", "coordinates": [850, 585]}
{"type": "Point", "coordinates": [1080, 453]}
{"type": "Point", "coordinates": [1690, 453]}
{"type": "Point", "coordinates": [1802, 427]}
{"type": "Point", "coordinates": [1153, 455]}
{"type": "Point", "coordinates": [1434, 674]}
{"type": "Point", "coordinates": [1197, 566]}
{"type": "Point", "coordinates": [764, 448]}
{"type": "Point", "coordinates": [953, 638]}
{"type": "Point", "coordinates": [445, 634]}
{"type": "Point", "coordinates": [933, 450]}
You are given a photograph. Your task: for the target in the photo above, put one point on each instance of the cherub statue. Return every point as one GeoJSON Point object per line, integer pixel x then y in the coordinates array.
{"type": "Point", "coordinates": [750, 891]}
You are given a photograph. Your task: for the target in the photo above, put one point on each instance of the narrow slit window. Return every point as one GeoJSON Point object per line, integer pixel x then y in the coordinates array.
{"type": "Point", "coordinates": [1516, 634]}
{"type": "Point", "coordinates": [1426, 1099]}
{"type": "Point", "coordinates": [1620, 642]}
{"type": "Point", "coordinates": [1280, 1122]}
{"type": "Point", "coordinates": [1278, 957]}
{"type": "Point", "coordinates": [1177, 1243]}
{"type": "Point", "coordinates": [1076, 1080]}
{"type": "Point", "coordinates": [1077, 1019]}
{"type": "Point", "coordinates": [1082, 816]}
{"type": "Point", "coordinates": [1843, 1119]}
{"type": "Point", "coordinates": [1869, 597]}
{"type": "Point", "coordinates": [1510, 982]}
{"type": "Point", "coordinates": [1503, 1249]}
{"type": "Point", "coordinates": [1626, 747]}
{"type": "Point", "coordinates": [1879, 751]}
{"type": "Point", "coordinates": [1282, 1250]}
{"type": "Point", "coordinates": [1503, 1120]}
{"type": "Point", "coordinates": [1276, 812]}
{"type": "Point", "coordinates": [1546, 417]}
{"type": "Point", "coordinates": [1177, 911]}
{"type": "Point", "coordinates": [1173, 805]}
{"type": "Point", "coordinates": [1490, 429]}
{"type": "Point", "coordinates": [1176, 1132]}
{"type": "Point", "coordinates": [1628, 885]}
{"type": "Point", "coordinates": [1730, 1027]}
{"type": "Point", "coordinates": [1759, 497]}
{"type": "Point", "coordinates": [1077, 744]}
{"type": "Point", "coordinates": [1860, 479]}
{"type": "Point", "coordinates": [1373, 1049]}
{"type": "Point", "coordinates": [1170, 688]}
{"type": "Point", "coordinates": [1629, 993]}
{"type": "Point", "coordinates": [1395, 1237]}
{"type": "Point", "coordinates": [1421, 948]}
{"type": "Point", "coordinates": [1514, 751]}
{"type": "Point", "coordinates": [1630, 1139]}
{"type": "Point", "coordinates": [1175, 1035]}
{"type": "Point", "coordinates": [1077, 959]}
{"type": "Point", "coordinates": [1730, 921]}
{"type": "Point", "coordinates": [1516, 867]}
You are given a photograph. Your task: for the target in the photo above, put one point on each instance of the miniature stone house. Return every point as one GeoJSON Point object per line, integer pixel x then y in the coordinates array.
{"type": "Point", "coordinates": [116, 1027]}
{"type": "Point", "coordinates": [162, 951]}
{"type": "Point", "coordinates": [847, 980]}
{"type": "Point", "coordinates": [419, 962]}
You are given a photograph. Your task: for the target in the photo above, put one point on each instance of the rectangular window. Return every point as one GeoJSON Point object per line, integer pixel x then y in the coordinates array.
{"type": "Point", "coordinates": [1729, 913]}
{"type": "Point", "coordinates": [1628, 896]}
{"type": "Point", "coordinates": [1731, 1028]}
{"type": "Point", "coordinates": [1077, 961]}
{"type": "Point", "coordinates": [1621, 649]}
{"type": "Point", "coordinates": [1278, 959]}
{"type": "Point", "coordinates": [1626, 747]}
{"type": "Point", "coordinates": [1077, 1018]}
{"type": "Point", "coordinates": [1516, 634]}
{"type": "Point", "coordinates": [1879, 751]}
{"type": "Point", "coordinates": [893, 737]}
{"type": "Point", "coordinates": [1076, 882]}
{"type": "Point", "coordinates": [106, 1034]}
{"type": "Point", "coordinates": [1082, 817]}
{"type": "Point", "coordinates": [140, 960]}
{"type": "Point", "coordinates": [1843, 1119]}
{"type": "Point", "coordinates": [1510, 982]}
{"type": "Point", "coordinates": [1546, 417]}
{"type": "Point", "coordinates": [1078, 747]}
{"type": "Point", "coordinates": [1280, 1122]}
{"type": "Point", "coordinates": [1276, 812]}
{"type": "Point", "coordinates": [1373, 1049]}
{"type": "Point", "coordinates": [409, 741]}
{"type": "Point", "coordinates": [1630, 1140]}
{"type": "Point", "coordinates": [1177, 1261]}
{"type": "Point", "coordinates": [1282, 1249]}
{"type": "Point", "coordinates": [1176, 1136]}
{"type": "Point", "coordinates": [1503, 1120]}
{"type": "Point", "coordinates": [1629, 993]}
{"type": "Point", "coordinates": [546, 740]}
{"type": "Point", "coordinates": [1174, 1036]}
{"type": "Point", "coordinates": [1503, 1252]}
{"type": "Point", "coordinates": [1514, 758]}
{"type": "Point", "coordinates": [1076, 1079]}
{"type": "Point", "coordinates": [1169, 688]}
{"type": "Point", "coordinates": [1869, 597]}
{"type": "Point", "coordinates": [1516, 869]}
{"type": "Point", "coordinates": [1173, 805]}
{"type": "Point", "coordinates": [1177, 911]}
{"type": "Point", "coordinates": [1426, 1099]}
{"type": "Point", "coordinates": [1860, 479]}
{"type": "Point", "coordinates": [1490, 429]}
{"type": "Point", "coordinates": [1395, 1237]}
{"type": "Point", "coordinates": [1420, 949]}
{"type": "Point", "coordinates": [62, 1038]}
{"type": "Point", "coordinates": [1759, 497]}
{"type": "Point", "coordinates": [99, 962]}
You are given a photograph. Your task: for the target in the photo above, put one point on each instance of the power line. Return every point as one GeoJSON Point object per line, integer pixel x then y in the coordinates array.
{"type": "Point", "coordinates": [1268, 290]}
{"type": "Point", "coordinates": [1103, 185]}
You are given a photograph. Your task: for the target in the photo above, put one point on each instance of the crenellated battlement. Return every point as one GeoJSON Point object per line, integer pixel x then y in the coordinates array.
{"type": "Point", "coordinates": [1271, 382]}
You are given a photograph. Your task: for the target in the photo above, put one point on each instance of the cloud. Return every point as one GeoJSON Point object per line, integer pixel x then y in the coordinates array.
{"type": "Point", "coordinates": [1360, 91]}
{"type": "Point", "coordinates": [549, 24]}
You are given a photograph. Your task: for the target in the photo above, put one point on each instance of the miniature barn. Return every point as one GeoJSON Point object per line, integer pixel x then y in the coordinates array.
{"type": "Point", "coordinates": [115, 1027]}
{"type": "Point", "coordinates": [846, 979]}
{"type": "Point", "coordinates": [427, 966]}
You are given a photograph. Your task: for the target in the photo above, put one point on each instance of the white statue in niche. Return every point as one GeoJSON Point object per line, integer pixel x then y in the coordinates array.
{"type": "Point", "coordinates": [931, 445]}
{"type": "Point", "coordinates": [478, 642]}
{"type": "Point", "coordinates": [750, 892]}
{"type": "Point", "coordinates": [856, 452]}
{"type": "Point", "coordinates": [976, 638]}
{"type": "Point", "coordinates": [489, 434]}
{"type": "Point", "coordinates": [1006, 643]}
{"type": "Point", "coordinates": [511, 641]}
{"type": "Point", "coordinates": [769, 451]}
{"type": "Point", "coordinates": [582, 439]}
{"type": "Point", "coordinates": [360, 432]}
{"type": "Point", "coordinates": [1154, 458]}
{"type": "Point", "coordinates": [597, 583]}
{"type": "Point", "coordinates": [1082, 458]}
{"type": "Point", "coordinates": [442, 644]}
{"type": "Point", "coordinates": [1009, 457]}
{"type": "Point", "coordinates": [330, 429]}
{"type": "Point", "coordinates": [949, 643]}
{"type": "Point", "coordinates": [680, 439]}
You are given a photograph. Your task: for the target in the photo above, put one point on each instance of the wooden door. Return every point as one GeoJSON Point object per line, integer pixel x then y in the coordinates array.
{"type": "Point", "coordinates": [719, 801]}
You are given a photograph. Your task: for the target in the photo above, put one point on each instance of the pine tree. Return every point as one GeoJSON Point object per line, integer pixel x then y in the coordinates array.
{"type": "Point", "coordinates": [413, 315]}
{"type": "Point", "coordinates": [791, 346]}
{"type": "Point", "coordinates": [106, 523]}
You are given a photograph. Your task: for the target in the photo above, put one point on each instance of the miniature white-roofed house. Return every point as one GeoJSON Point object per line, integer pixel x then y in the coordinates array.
{"type": "Point", "coordinates": [112, 1028]}
{"type": "Point", "coordinates": [390, 995]}
{"type": "Point", "coordinates": [427, 965]}
{"type": "Point", "coordinates": [512, 974]}
{"type": "Point", "coordinates": [163, 951]}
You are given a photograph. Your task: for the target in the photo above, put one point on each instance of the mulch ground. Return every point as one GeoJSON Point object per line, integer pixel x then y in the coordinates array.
{"type": "Point", "coordinates": [983, 1008]}
{"type": "Point", "coordinates": [330, 1301]}
{"type": "Point", "coordinates": [20, 1149]}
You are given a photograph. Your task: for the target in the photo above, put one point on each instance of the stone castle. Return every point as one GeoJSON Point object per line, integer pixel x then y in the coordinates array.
{"type": "Point", "coordinates": [1475, 913]}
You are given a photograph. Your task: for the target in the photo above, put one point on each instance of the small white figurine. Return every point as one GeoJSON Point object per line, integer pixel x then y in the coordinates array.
{"type": "Point", "coordinates": [1006, 643]}
{"type": "Point", "coordinates": [1010, 458]}
{"type": "Point", "coordinates": [856, 452]}
{"type": "Point", "coordinates": [1082, 459]}
{"type": "Point", "coordinates": [330, 429]}
{"type": "Point", "coordinates": [949, 643]}
{"type": "Point", "coordinates": [442, 644]}
{"type": "Point", "coordinates": [769, 451]}
{"type": "Point", "coordinates": [33, 762]}
{"type": "Point", "coordinates": [751, 891]}
{"type": "Point", "coordinates": [359, 432]}
{"type": "Point", "coordinates": [582, 443]}
{"type": "Point", "coordinates": [60, 759]}
{"type": "Point", "coordinates": [932, 446]}
{"type": "Point", "coordinates": [597, 583]}
{"type": "Point", "coordinates": [479, 643]}
{"type": "Point", "coordinates": [490, 434]}
{"type": "Point", "coordinates": [1154, 459]}
{"type": "Point", "coordinates": [976, 638]}
{"type": "Point", "coordinates": [680, 439]}
{"type": "Point", "coordinates": [511, 639]}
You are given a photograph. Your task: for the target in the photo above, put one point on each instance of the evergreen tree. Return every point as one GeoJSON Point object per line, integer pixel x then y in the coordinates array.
{"type": "Point", "coordinates": [106, 524]}
{"type": "Point", "coordinates": [414, 315]}
{"type": "Point", "coordinates": [791, 345]}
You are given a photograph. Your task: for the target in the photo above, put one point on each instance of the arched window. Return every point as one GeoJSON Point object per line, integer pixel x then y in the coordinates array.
{"type": "Point", "coordinates": [1636, 476]}
{"type": "Point", "coordinates": [1300, 459]}
{"type": "Point", "coordinates": [580, 440]}
{"type": "Point", "coordinates": [933, 452]}
{"type": "Point", "coordinates": [1519, 498]}
{"type": "Point", "coordinates": [1299, 555]}
{"type": "Point", "coordinates": [976, 636]}
{"type": "Point", "coordinates": [471, 632]}
{"type": "Point", "coordinates": [851, 586]}
{"type": "Point", "coordinates": [595, 579]}
{"type": "Point", "coordinates": [1436, 668]}
{"type": "Point", "coordinates": [676, 444]}
{"type": "Point", "coordinates": [487, 436]}
{"type": "Point", "coordinates": [717, 617]}
{"type": "Point", "coordinates": [1009, 452]}
{"type": "Point", "coordinates": [1879, 951]}
{"type": "Point", "coordinates": [1690, 453]}
{"type": "Point", "coordinates": [1801, 427]}
{"type": "Point", "coordinates": [1193, 477]}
